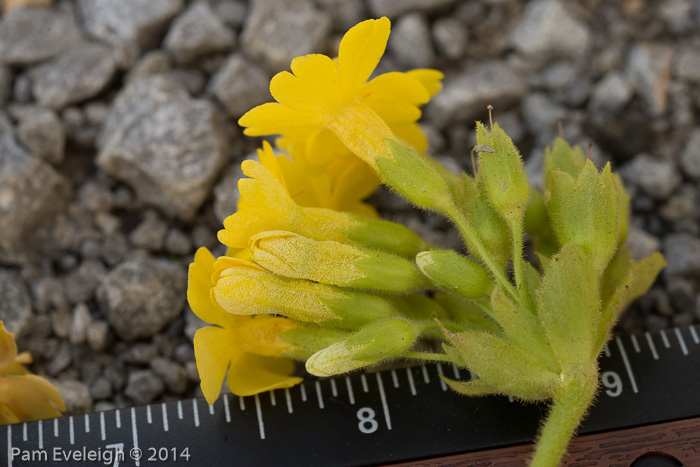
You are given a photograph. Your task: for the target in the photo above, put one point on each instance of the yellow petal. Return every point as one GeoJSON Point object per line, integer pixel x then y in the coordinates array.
{"type": "Point", "coordinates": [31, 397]}
{"type": "Point", "coordinates": [400, 86]}
{"type": "Point", "coordinates": [312, 87]}
{"type": "Point", "coordinates": [431, 79]}
{"type": "Point", "coordinates": [267, 158]}
{"type": "Point", "coordinates": [260, 335]}
{"type": "Point", "coordinates": [213, 350]}
{"type": "Point", "coordinates": [8, 347]}
{"type": "Point", "coordinates": [360, 51]}
{"type": "Point", "coordinates": [7, 416]}
{"type": "Point", "coordinates": [252, 374]}
{"type": "Point", "coordinates": [239, 227]}
{"type": "Point", "coordinates": [198, 286]}
{"type": "Point", "coordinates": [357, 181]}
{"type": "Point", "coordinates": [272, 118]}
{"type": "Point", "coordinates": [391, 110]}
{"type": "Point", "coordinates": [411, 134]}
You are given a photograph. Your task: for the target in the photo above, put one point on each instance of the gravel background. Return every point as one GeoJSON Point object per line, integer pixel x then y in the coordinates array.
{"type": "Point", "coordinates": [119, 150]}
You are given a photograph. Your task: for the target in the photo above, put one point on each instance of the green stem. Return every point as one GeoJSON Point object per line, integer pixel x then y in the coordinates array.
{"type": "Point", "coordinates": [570, 405]}
{"type": "Point", "coordinates": [428, 356]}
{"type": "Point", "coordinates": [468, 231]}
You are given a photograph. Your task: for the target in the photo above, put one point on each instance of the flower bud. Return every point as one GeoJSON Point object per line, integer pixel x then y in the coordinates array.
{"type": "Point", "coordinates": [455, 273]}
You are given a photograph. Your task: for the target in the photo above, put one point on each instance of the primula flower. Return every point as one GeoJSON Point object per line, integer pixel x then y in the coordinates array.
{"type": "Point", "coordinates": [247, 348]}
{"type": "Point", "coordinates": [322, 94]}
{"type": "Point", "coordinates": [23, 396]}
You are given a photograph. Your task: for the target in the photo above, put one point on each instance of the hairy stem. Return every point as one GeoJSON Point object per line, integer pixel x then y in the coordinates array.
{"type": "Point", "coordinates": [428, 356]}
{"type": "Point", "coordinates": [568, 408]}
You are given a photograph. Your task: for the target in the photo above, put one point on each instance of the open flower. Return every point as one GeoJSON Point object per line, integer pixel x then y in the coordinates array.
{"type": "Point", "coordinates": [247, 348]}
{"type": "Point", "coordinates": [323, 94]}
{"type": "Point", "coordinates": [23, 396]}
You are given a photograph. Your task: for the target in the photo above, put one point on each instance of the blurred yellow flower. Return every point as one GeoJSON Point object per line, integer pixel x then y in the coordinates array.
{"type": "Point", "coordinates": [322, 96]}
{"type": "Point", "coordinates": [247, 348]}
{"type": "Point", "coordinates": [23, 396]}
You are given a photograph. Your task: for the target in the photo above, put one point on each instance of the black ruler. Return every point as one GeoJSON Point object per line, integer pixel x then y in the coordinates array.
{"type": "Point", "coordinates": [362, 419]}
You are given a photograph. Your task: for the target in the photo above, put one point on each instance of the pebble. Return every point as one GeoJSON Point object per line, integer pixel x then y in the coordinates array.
{"type": "Point", "coordinates": [143, 387]}
{"type": "Point", "coordinates": [140, 354]}
{"type": "Point", "coordinates": [41, 131]}
{"type": "Point", "coordinates": [152, 63]}
{"type": "Point", "coordinates": [690, 157]}
{"type": "Point", "coordinates": [80, 324]}
{"type": "Point", "coordinates": [410, 41]}
{"type": "Point", "coordinates": [649, 67]}
{"type": "Point", "coordinates": [541, 115]}
{"type": "Point", "coordinates": [226, 194]}
{"type": "Point", "coordinates": [547, 30]}
{"type": "Point", "coordinates": [466, 96]}
{"type": "Point", "coordinates": [271, 32]}
{"type": "Point", "coordinates": [141, 296]}
{"type": "Point", "coordinates": [16, 305]}
{"type": "Point", "coordinates": [198, 32]}
{"type": "Point", "coordinates": [686, 65]}
{"type": "Point", "coordinates": [74, 76]}
{"type": "Point", "coordinates": [682, 253]}
{"type": "Point", "coordinates": [172, 157]}
{"type": "Point", "coordinates": [344, 14]}
{"type": "Point", "coordinates": [657, 178]}
{"type": "Point", "coordinates": [173, 375]}
{"type": "Point", "coordinates": [80, 284]}
{"type": "Point", "coordinates": [450, 36]}
{"type": "Point", "coordinates": [97, 335]}
{"type": "Point", "coordinates": [76, 395]}
{"type": "Point", "coordinates": [6, 77]}
{"type": "Point", "coordinates": [184, 353]}
{"type": "Point", "coordinates": [240, 85]}
{"type": "Point", "coordinates": [101, 389]}
{"type": "Point", "coordinates": [30, 35]}
{"type": "Point", "coordinates": [231, 12]}
{"type": "Point", "coordinates": [30, 192]}
{"type": "Point", "coordinates": [177, 242]}
{"type": "Point", "coordinates": [132, 26]}
{"type": "Point", "coordinates": [682, 294]}
{"type": "Point", "coordinates": [641, 243]}
{"type": "Point", "coordinates": [611, 94]}
{"type": "Point", "coordinates": [393, 9]}
{"type": "Point", "coordinates": [60, 359]}
{"type": "Point", "coordinates": [150, 233]}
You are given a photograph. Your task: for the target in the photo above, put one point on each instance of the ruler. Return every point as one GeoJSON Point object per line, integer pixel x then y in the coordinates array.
{"type": "Point", "coordinates": [396, 416]}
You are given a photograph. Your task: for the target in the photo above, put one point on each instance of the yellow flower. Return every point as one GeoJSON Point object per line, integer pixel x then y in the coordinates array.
{"type": "Point", "coordinates": [341, 185]}
{"type": "Point", "coordinates": [23, 396]}
{"type": "Point", "coordinates": [247, 348]}
{"type": "Point", "coordinates": [323, 94]}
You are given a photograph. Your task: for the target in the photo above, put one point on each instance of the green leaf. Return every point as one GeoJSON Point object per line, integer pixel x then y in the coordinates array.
{"type": "Point", "coordinates": [570, 308]}
{"type": "Point", "coordinates": [475, 387]}
{"type": "Point", "coordinates": [584, 212]}
{"type": "Point", "coordinates": [537, 224]}
{"type": "Point", "coordinates": [467, 313]}
{"type": "Point", "coordinates": [418, 307]}
{"type": "Point", "coordinates": [501, 364]}
{"type": "Point", "coordinates": [523, 329]}
{"type": "Point", "coordinates": [455, 273]}
{"type": "Point", "coordinates": [503, 172]}
{"type": "Point", "coordinates": [491, 228]}
{"type": "Point", "coordinates": [386, 236]}
{"type": "Point", "coordinates": [562, 158]}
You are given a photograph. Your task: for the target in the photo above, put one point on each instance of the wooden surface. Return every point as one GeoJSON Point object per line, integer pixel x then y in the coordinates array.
{"type": "Point", "coordinates": [679, 439]}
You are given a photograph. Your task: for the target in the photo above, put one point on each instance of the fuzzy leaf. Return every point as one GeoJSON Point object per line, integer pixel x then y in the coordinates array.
{"type": "Point", "coordinates": [492, 230]}
{"type": "Point", "coordinates": [562, 158]}
{"type": "Point", "coordinates": [537, 224]}
{"type": "Point", "coordinates": [466, 313]}
{"type": "Point", "coordinates": [500, 363]}
{"type": "Point", "coordinates": [570, 305]}
{"type": "Point", "coordinates": [476, 387]}
{"type": "Point", "coordinates": [455, 273]}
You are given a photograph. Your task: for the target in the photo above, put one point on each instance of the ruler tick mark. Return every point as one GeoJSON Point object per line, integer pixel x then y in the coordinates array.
{"type": "Point", "coordinates": [87, 423]}
{"type": "Point", "coordinates": [227, 410]}
{"type": "Point", "coordinates": [71, 431]}
{"type": "Point", "coordinates": [135, 434]}
{"type": "Point", "coordinates": [211, 409]}
{"type": "Point", "coordinates": [103, 434]}
{"type": "Point", "coordinates": [149, 417]}
{"type": "Point", "coordinates": [179, 410]}
{"type": "Point", "coordinates": [9, 445]}
{"type": "Point", "coordinates": [626, 362]}
{"type": "Point", "coordinates": [363, 380]}
{"type": "Point", "coordinates": [41, 436]}
{"type": "Point", "coordinates": [664, 338]}
{"type": "Point", "coordinates": [395, 378]}
{"type": "Point", "coordinates": [258, 411]}
{"type": "Point", "coordinates": [694, 334]}
{"type": "Point", "coordinates": [334, 388]}
{"type": "Point", "coordinates": [165, 417]}
{"type": "Point", "coordinates": [24, 431]}
{"type": "Point", "coordinates": [273, 399]}
{"type": "Point", "coordinates": [607, 351]}
{"type": "Point", "coordinates": [681, 341]}
{"type": "Point", "coordinates": [650, 341]}
{"type": "Point", "coordinates": [288, 396]}
{"type": "Point", "coordinates": [635, 344]}
{"type": "Point", "coordinates": [55, 428]}
{"type": "Point", "coordinates": [426, 376]}
{"type": "Point", "coordinates": [241, 402]}
{"type": "Point", "coordinates": [302, 388]}
{"type": "Point", "coordinates": [411, 384]}
{"type": "Point", "coordinates": [382, 396]}
{"type": "Point", "coordinates": [351, 394]}
{"type": "Point", "coordinates": [195, 412]}
{"type": "Point", "coordinates": [319, 394]}
{"type": "Point", "coordinates": [455, 370]}
{"type": "Point", "coordinates": [442, 382]}
{"type": "Point", "coordinates": [118, 417]}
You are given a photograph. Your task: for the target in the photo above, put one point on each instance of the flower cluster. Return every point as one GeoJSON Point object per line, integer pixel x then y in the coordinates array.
{"type": "Point", "coordinates": [313, 273]}
{"type": "Point", "coordinates": [23, 396]}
